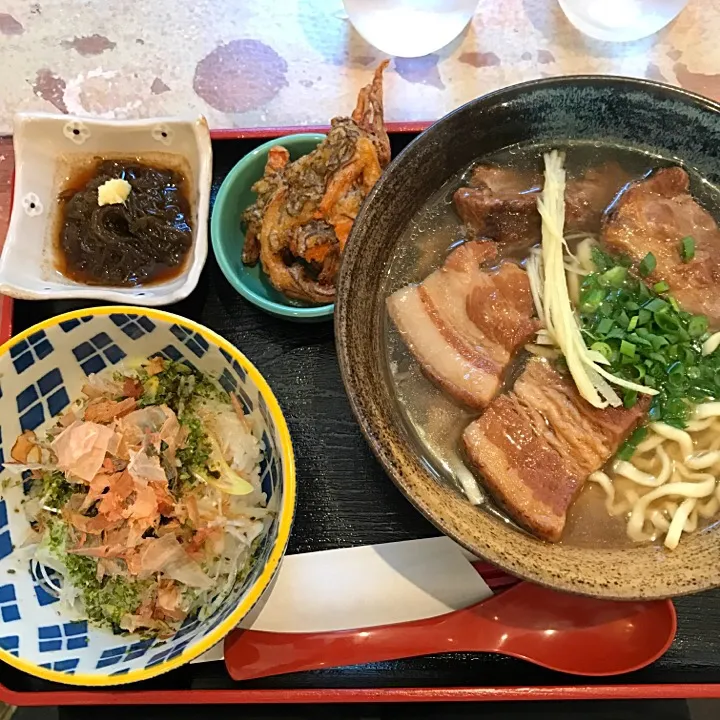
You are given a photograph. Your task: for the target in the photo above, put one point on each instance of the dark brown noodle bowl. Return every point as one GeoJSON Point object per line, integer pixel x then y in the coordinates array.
{"type": "Point", "coordinates": [635, 114]}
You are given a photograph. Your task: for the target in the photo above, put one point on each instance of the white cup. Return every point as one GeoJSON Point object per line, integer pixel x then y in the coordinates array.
{"type": "Point", "coordinates": [410, 28]}
{"type": "Point", "coordinates": [621, 20]}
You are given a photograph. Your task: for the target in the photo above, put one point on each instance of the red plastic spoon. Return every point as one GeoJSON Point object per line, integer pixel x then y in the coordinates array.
{"type": "Point", "coordinates": [568, 633]}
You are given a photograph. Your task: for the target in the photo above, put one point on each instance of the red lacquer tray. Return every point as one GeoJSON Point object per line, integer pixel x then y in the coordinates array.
{"type": "Point", "coordinates": [334, 510]}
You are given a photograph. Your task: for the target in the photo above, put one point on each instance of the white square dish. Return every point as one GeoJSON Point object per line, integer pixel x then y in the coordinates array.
{"type": "Point", "coordinates": [46, 147]}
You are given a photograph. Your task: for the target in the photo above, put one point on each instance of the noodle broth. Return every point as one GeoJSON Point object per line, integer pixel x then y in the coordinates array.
{"type": "Point", "coordinates": [433, 421]}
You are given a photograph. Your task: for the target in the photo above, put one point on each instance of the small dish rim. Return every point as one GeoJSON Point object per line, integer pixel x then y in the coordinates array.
{"type": "Point", "coordinates": [155, 296]}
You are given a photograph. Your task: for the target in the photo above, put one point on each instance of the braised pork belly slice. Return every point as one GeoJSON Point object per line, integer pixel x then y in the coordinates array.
{"type": "Point", "coordinates": [463, 323]}
{"type": "Point", "coordinates": [653, 216]}
{"type": "Point", "coordinates": [502, 202]}
{"type": "Point", "coordinates": [536, 445]}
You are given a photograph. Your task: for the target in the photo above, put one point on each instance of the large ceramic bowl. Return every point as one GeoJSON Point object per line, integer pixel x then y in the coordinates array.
{"type": "Point", "coordinates": [634, 113]}
{"type": "Point", "coordinates": [41, 371]}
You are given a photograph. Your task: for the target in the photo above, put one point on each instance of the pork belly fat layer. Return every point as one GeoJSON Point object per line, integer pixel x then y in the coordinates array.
{"type": "Point", "coordinates": [463, 324]}
{"type": "Point", "coordinates": [535, 446]}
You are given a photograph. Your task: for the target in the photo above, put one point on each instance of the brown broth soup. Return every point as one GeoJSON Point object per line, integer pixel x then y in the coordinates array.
{"type": "Point", "coordinates": [434, 422]}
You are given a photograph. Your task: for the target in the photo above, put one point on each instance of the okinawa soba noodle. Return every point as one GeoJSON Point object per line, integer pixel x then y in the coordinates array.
{"type": "Point", "coordinates": [671, 481]}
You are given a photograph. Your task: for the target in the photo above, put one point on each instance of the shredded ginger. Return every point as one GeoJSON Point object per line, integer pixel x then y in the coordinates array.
{"type": "Point", "coordinates": [548, 282]}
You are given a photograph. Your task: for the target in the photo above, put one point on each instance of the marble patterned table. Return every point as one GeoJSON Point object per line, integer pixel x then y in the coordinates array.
{"type": "Point", "coordinates": [267, 63]}
{"type": "Point", "coordinates": [259, 63]}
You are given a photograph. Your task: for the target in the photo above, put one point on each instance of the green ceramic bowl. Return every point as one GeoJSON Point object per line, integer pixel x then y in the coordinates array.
{"type": "Point", "coordinates": [228, 237]}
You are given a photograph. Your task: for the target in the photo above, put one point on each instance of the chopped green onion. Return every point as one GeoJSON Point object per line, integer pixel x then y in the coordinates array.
{"type": "Point", "coordinates": [648, 339]}
{"type": "Point", "coordinates": [655, 304]}
{"type": "Point", "coordinates": [630, 445]}
{"type": "Point", "coordinates": [697, 326]}
{"type": "Point", "coordinates": [603, 348]}
{"type": "Point", "coordinates": [592, 300]}
{"type": "Point", "coordinates": [606, 309]}
{"type": "Point", "coordinates": [666, 321]}
{"type": "Point", "coordinates": [658, 341]}
{"type": "Point", "coordinates": [643, 292]}
{"type": "Point", "coordinates": [647, 265]}
{"type": "Point", "coordinates": [630, 398]}
{"type": "Point", "coordinates": [614, 277]}
{"type": "Point", "coordinates": [601, 260]}
{"type": "Point", "coordinates": [682, 335]}
{"type": "Point", "coordinates": [687, 248]}
{"type": "Point", "coordinates": [638, 340]}
{"type": "Point", "coordinates": [627, 349]}
{"type": "Point", "coordinates": [676, 373]}
{"type": "Point", "coordinates": [675, 412]}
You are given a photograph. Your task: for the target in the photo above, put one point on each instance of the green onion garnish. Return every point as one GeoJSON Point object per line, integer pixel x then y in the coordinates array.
{"type": "Point", "coordinates": [648, 338]}
{"type": "Point", "coordinates": [658, 341]}
{"type": "Point", "coordinates": [666, 320]}
{"type": "Point", "coordinates": [592, 301]}
{"type": "Point", "coordinates": [603, 348]}
{"type": "Point", "coordinates": [687, 248]}
{"type": "Point", "coordinates": [614, 277]}
{"type": "Point", "coordinates": [630, 398]}
{"type": "Point", "coordinates": [697, 326]}
{"type": "Point", "coordinates": [627, 349]}
{"type": "Point", "coordinates": [630, 445]}
{"type": "Point", "coordinates": [655, 304]}
{"type": "Point", "coordinates": [647, 265]}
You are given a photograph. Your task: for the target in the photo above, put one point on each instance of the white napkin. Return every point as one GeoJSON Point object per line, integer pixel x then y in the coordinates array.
{"type": "Point", "coordinates": [364, 587]}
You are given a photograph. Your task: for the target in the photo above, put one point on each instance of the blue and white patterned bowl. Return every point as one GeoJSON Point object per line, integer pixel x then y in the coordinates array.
{"type": "Point", "coordinates": [41, 371]}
